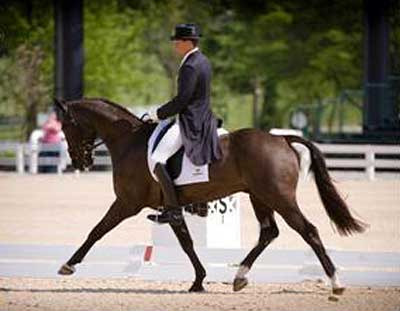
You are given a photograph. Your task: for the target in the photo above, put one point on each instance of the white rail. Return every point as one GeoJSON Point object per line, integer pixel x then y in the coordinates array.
{"type": "Point", "coordinates": [368, 157]}
{"type": "Point", "coordinates": [12, 154]}
{"type": "Point", "coordinates": [367, 154]}
{"type": "Point", "coordinates": [60, 159]}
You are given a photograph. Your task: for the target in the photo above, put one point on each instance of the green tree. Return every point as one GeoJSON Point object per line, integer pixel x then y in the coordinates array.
{"type": "Point", "coordinates": [26, 60]}
{"type": "Point", "coordinates": [251, 53]}
{"type": "Point", "coordinates": [117, 63]}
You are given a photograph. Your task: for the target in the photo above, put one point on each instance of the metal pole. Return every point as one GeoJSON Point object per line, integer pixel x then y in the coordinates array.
{"type": "Point", "coordinates": [68, 49]}
{"type": "Point", "coordinates": [377, 111]}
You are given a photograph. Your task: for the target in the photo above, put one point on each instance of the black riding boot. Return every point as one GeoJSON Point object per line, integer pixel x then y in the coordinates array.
{"type": "Point", "coordinates": [172, 212]}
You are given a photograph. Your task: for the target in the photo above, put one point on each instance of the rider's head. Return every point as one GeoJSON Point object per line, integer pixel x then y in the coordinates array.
{"type": "Point", "coordinates": [186, 37]}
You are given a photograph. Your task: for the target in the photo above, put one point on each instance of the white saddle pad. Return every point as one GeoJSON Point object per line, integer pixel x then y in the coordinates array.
{"type": "Point", "coordinates": [190, 173]}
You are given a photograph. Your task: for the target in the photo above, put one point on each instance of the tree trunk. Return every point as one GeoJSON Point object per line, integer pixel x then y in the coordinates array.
{"type": "Point", "coordinates": [30, 119]}
{"type": "Point", "coordinates": [257, 96]}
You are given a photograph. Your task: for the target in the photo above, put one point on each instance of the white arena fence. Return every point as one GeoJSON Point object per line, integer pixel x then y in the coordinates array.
{"type": "Point", "coordinates": [12, 155]}
{"type": "Point", "coordinates": [26, 157]}
{"type": "Point", "coordinates": [30, 156]}
{"type": "Point", "coordinates": [363, 157]}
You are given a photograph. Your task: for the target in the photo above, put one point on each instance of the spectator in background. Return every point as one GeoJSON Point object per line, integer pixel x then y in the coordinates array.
{"type": "Point", "coordinates": [51, 130]}
{"type": "Point", "coordinates": [51, 135]}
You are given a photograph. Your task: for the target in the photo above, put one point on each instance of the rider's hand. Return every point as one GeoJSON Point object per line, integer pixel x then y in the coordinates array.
{"type": "Point", "coordinates": [151, 115]}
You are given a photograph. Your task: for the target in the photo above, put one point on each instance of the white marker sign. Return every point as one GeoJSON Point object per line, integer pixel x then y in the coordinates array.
{"type": "Point", "coordinates": [220, 229]}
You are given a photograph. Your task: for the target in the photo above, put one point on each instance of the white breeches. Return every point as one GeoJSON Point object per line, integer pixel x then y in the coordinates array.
{"type": "Point", "coordinates": [169, 143]}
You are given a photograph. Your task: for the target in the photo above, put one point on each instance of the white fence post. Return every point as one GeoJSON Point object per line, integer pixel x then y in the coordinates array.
{"type": "Point", "coordinates": [33, 159]}
{"type": "Point", "coordinates": [63, 157]}
{"type": "Point", "coordinates": [370, 169]}
{"type": "Point", "coordinates": [19, 159]}
{"type": "Point", "coordinates": [34, 150]}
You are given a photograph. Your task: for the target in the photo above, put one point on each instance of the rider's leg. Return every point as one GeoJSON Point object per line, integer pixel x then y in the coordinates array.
{"type": "Point", "coordinates": [168, 145]}
{"type": "Point", "coordinates": [167, 186]}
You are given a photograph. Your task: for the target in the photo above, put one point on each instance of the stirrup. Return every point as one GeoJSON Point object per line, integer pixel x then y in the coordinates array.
{"type": "Point", "coordinates": [173, 217]}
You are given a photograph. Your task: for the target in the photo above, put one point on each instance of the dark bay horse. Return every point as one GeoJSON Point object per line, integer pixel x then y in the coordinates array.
{"type": "Point", "coordinates": [262, 165]}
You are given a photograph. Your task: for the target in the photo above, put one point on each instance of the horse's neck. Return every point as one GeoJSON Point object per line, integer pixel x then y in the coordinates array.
{"type": "Point", "coordinates": [114, 127]}
{"type": "Point", "coordinates": [97, 119]}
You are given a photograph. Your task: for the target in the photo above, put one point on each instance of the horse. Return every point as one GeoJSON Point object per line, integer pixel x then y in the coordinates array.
{"type": "Point", "coordinates": [264, 166]}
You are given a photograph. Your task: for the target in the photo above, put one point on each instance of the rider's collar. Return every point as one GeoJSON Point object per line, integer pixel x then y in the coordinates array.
{"type": "Point", "coordinates": [188, 54]}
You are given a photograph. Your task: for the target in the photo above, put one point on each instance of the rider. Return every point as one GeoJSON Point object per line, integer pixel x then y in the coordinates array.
{"type": "Point", "coordinates": [195, 127]}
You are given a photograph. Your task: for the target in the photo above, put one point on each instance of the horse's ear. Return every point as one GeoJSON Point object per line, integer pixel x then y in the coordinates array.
{"type": "Point", "coordinates": [61, 105]}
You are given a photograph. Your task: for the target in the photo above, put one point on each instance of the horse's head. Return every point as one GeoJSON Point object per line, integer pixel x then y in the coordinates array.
{"type": "Point", "coordinates": [79, 133]}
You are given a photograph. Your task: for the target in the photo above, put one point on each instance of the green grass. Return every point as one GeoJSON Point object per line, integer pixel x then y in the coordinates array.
{"type": "Point", "coordinates": [7, 154]}
{"type": "Point", "coordinates": [10, 132]}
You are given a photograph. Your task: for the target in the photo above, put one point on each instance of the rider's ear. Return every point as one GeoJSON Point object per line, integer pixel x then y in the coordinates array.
{"type": "Point", "coordinates": [122, 125]}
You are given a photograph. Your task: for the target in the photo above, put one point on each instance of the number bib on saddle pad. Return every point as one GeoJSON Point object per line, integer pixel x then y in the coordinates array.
{"type": "Point", "coordinates": [179, 166]}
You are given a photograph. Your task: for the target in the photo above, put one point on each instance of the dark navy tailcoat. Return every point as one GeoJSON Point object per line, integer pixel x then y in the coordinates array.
{"type": "Point", "coordinates": [197, 123]}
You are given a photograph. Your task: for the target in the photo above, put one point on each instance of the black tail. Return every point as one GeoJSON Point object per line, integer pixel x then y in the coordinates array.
{"type": "Point", "coordinates": [335, 206]}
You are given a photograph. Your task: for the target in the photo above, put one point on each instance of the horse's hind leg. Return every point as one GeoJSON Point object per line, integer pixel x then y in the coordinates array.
{"type": "Point", "coordinates": [182, 233]}
{"type": "Point", "coordinates": [111, 219]}
{"type": "Point", "coordinates": [296, 220]}
{"type": "Point", "coordinates": [268, 232]}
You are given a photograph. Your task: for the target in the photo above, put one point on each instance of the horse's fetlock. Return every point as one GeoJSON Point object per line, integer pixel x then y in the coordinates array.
{"type": "Point", "coordinates": [274, 232]}
{"type": "Point", "coordinates": [201, 275]}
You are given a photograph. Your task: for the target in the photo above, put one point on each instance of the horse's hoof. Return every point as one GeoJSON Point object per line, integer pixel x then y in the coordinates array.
{"type": "Point", "coordinates": [338, 290]}
{"type": "Point", "coordinates": [195, 288]}
{"type": "Point", "coordinates": [239, 284]}
{"type": "Point", "coordinates": [66, 269]}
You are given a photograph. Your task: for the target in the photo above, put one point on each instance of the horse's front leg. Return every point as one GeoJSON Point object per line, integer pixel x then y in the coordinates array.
{"type": "Point", "coordinates": [111, 219]}
{"type": "Point", "coordinates": [186, 242]}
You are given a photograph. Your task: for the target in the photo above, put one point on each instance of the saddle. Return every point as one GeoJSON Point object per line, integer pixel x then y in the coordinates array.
{"type": "Point", "coordinates": [174, 163]}
{"type": "Point", "coordinates": [181, 170]}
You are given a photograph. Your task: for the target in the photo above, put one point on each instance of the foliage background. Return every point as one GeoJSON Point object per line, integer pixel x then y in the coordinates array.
{"type": "Point", "coordinates": [269, 58]}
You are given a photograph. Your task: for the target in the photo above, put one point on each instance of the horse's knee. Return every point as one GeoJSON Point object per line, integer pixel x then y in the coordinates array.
{"type": "Point", "coordinates": [187, 243]}
{"type": "Point", "coordinates": [268, 234]}
{"type": "Point", "coordinates": [311, 234]}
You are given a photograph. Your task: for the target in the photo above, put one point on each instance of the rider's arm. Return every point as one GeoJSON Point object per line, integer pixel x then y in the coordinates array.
{"type": "Point", "coordinates": [186, 87]}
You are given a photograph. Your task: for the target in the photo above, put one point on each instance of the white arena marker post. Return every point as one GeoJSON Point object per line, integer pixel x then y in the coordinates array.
{"type": "Point", "coordinates": [223, 223]}
{"type": "Point", "coordinates": [220, 229]}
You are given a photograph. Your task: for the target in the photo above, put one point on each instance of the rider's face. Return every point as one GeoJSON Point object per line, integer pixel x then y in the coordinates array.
{"type": "Point", "coordinates": [183, 46]}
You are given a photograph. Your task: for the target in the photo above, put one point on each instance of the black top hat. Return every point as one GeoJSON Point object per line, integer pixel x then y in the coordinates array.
{"type": "Point", "coordinates": [186, 32]}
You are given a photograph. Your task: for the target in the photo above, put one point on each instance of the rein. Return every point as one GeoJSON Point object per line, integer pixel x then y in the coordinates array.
{"type": "Point", "coordinates": [101, 142]}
